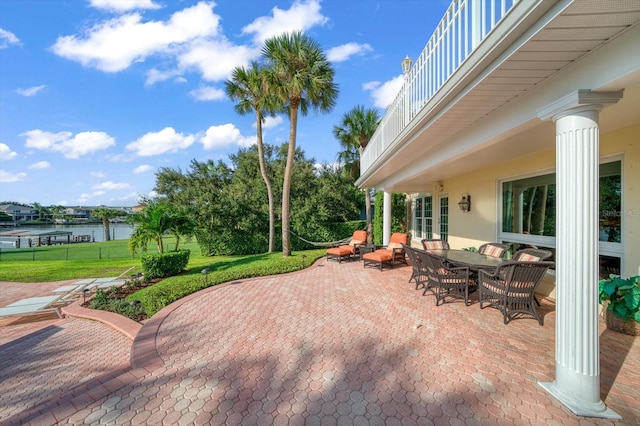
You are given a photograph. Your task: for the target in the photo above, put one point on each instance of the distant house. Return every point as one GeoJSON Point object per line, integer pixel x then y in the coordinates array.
{"type": "Point", "coordinates": [19, 213]}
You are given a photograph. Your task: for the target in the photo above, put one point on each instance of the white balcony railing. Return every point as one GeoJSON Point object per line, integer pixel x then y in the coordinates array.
{"type": "Point", "coordinates": [464, 25]}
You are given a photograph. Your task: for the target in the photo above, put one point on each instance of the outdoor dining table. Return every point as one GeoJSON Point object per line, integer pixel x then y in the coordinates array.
{"type": "Point", "coordinates": [474, 260]}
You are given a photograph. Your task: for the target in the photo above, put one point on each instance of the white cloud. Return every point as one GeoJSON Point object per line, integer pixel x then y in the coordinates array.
{"type": "Point", "coordinates": [123, 5]}
{"type": "Point", "coordinates": [7, 38]}
{"type": "Point", "coordinates": [40, 165]}
{"type": "Point", "coordinates": [84, 197]}
{"type": "Point", "coordinates": [270, 122]}
{"type": "Point", "coordinates": [155, 76]}
{"type": "Point", "coordinates": [6, 153]}
{"type": "Point", "coordinates": [110, 186]}
{"type": "Point", "coordinates": [97, 174]}
{"type": "Point", "coordinates": [142, 169]}
{"type": "Point", "coordinates": [207, 93]}
{"type": "Point", "coordinates": [68, 145]}
{"type": "Point", "coordinates": [30, 91]}
{"type": "Point", "coordinates": [215, 59]}
{"type": "Point", "coordinates": [383, 94]}
{"type": "Point", "coordinates": [115, 44]}
{"type": "Point", "coordinates": [156, 143]}
{"type": "Point", "coordinates": [8, 177]}
{"type": "Point", "coordinates": [345, 51]}
{"type": "Point", "coordinates": [301, 16]}
{"type": "Point", "coordinates": [225, 135]}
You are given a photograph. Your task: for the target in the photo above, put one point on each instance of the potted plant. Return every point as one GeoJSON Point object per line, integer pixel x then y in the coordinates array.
{"type": "Point", "coordinates": [622, 310]}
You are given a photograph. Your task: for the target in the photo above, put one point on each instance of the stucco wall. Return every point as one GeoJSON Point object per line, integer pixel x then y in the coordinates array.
{"type": "Point", "coordinates": [480, 225]}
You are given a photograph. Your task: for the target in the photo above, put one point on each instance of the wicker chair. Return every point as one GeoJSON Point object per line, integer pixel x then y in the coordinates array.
{"type": "Point", "coordinates": [419, 274]}
{"type": "Point", "coordinates": [444, 281]}
{"type": "Point", "coordinates": [510, 288]}
{"type": "Point", "coordinates": [434, 244]}
{"type": "Point", "coordinates": [493, 249]}
{"type": "Point", "coordinates": [532, 255]}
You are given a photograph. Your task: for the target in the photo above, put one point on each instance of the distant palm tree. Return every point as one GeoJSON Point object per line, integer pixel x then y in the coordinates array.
{"type": "Point", "coordinates": [301, 78]}
{"type": "Point", "coordinates": [106, 214]}
{"type": "Point", "coordinates": [354, 133]}
{"type": "Point", "coordinates": [249, 87]}
{"type": "Point", "coordinates": [155, 221]}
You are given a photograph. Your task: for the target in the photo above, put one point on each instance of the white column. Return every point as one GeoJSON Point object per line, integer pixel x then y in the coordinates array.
{"type": "Point", "coordinates": [577, 383]}
{"type": "Point", "coordinates": [386, 218]}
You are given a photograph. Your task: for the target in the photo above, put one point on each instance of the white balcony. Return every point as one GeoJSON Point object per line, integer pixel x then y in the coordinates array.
{"type": "Point", "coordinates": [482, 56]}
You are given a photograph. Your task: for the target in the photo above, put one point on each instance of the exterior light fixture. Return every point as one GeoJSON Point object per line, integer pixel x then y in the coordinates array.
{"type": "Point", "coordinates": [465, 203]}
{"type": "Point", "coordinates": [406, 65]}
{"type": "Point", "coordinates": [205, 272]}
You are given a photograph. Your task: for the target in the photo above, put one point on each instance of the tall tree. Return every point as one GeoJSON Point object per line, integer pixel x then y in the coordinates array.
{"type": "Point", "coordinates": [249, 88]}
{"type": "Point", "coordinates": [301, 78]}
{"type": "Point", "coordinates": [354, 133]}
{"type": "Point", "coordinates": [105, 214]}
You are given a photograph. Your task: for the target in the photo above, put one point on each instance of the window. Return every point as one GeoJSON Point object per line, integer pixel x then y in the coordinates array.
{"type": "Point", "coordinates": [529, 209]}
{"type": "Point", "coordinates": [444, 218]}
{"type": "Point", "coordinates": [423, 217]}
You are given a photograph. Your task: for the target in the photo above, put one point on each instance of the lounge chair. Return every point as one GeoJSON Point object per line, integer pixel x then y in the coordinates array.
{"type": "Point", "coordinates": [391, 254]}
{"type": "Point", "coordinates": [33, 305]}
{"type": "Point", "coordinates": [348, 251]}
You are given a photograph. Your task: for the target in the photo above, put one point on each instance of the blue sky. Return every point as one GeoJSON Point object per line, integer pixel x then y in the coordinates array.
{"type": "Point", "coordinates": [97, 95]}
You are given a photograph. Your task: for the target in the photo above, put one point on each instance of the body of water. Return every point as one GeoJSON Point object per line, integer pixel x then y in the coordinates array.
{"type": "Point", "coordinates": [118, 231]}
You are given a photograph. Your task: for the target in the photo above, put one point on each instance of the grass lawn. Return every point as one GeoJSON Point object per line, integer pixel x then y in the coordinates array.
{"type": "Point", "coordinates": [89, 260]}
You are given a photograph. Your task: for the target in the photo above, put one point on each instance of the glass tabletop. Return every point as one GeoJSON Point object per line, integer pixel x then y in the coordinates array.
{"type": "Point", "coordinates": [473, 260]}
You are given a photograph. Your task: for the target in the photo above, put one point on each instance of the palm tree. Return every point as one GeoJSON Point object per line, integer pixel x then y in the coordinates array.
{"type": "Point", "coordinates": [105, 214]}
{"type": "Point", "coordinates": [154, 221]}
{"type": "Point", "coordinates": [301, 78]}
{"type": "Point", "coordinates": [249, 88]}
{"type": "Point", "coordinates": [354, 133]}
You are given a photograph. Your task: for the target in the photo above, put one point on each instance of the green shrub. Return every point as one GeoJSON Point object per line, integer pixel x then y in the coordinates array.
{"type": "Point", "coordinates": [161, 294]}
{"type": "Point", "coordinates": [162, 265]}
{"type": "Point", "coordinates": [623, 296]}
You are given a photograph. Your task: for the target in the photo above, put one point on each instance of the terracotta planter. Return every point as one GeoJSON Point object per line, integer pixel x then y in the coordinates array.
{"type": "Point", "coordinates": [615, 323]}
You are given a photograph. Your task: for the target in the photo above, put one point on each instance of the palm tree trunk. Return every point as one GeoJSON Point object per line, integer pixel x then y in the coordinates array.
{"type": "Point", "coordinates": [107, 234]}
{"type": "Point", "coordinates": [286, 185]}
{"type": "Point", "coordinates": [267, 182]}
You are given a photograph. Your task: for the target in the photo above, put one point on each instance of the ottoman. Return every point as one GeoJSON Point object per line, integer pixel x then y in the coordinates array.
{"type": "Point", "coordinates": [339, 253]}
{"type": "Point", "coordinates": [377, 258]}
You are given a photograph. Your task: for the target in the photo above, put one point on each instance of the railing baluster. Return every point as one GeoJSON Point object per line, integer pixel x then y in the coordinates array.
{"type": "Point", "coordinates": [464, 25]}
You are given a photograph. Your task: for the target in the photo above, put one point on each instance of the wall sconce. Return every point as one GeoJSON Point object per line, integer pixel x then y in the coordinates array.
{"type": "Point", "coordinates": [465, 203]}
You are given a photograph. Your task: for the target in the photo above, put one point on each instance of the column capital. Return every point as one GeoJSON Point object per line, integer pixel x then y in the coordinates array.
{"type": "Point", "coordinates": [580, 100]}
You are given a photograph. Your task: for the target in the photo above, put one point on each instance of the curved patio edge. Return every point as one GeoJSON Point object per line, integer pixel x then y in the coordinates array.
{"type": "Point", "coordinates": [126, 326]}
{"type": "Point", "coordinates": [144, 353]}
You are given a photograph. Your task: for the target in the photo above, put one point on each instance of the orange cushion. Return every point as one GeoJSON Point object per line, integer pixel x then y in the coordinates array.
{"type": "Point", "coordinates": [360, 236]}
{"type": "Point", "coordinates": [398, 237]}
{"type": "Point", "coordinates": [340, 251]}
{"type": "Point", "coordinates": [378, 255]}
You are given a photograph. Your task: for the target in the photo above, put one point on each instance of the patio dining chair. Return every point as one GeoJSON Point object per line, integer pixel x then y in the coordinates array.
{"type": "Point", "coordinates": [493, 249]}
{"type": "Point", "coordinates": [510, 288]}
{"type": "Point", "coordinates": [428, 244]}
{"type": "Point", "coordinates": [445, 281]}
{"type": "Point", "coordinates": [419, 268]}
{"type": "Point", "coordinates": [532, 255]}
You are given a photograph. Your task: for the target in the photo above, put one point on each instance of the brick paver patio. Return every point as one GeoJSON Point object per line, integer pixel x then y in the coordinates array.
{"type": "Point", "coordinates": [334, 344]}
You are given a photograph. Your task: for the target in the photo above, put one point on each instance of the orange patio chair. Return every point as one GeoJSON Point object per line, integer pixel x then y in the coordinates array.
{"type": "Point", "coordinates": [391, 254]}
{"type": "Point", "coordinates": [348, 251]}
